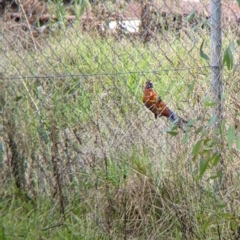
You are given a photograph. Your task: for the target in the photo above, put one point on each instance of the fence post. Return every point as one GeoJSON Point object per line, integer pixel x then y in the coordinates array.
{"type": "Point", "coordinates": [216, 72]}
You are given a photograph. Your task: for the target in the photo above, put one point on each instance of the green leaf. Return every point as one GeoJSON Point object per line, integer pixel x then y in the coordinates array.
{"type": "Point", "coordinates": [202, 54]}
{"type": "Point", "coordinates": [226, 215]}
{"type": "Point", "coordinates": [190, 123]}
{"type": "Point", "coordinates": [212, 120]}
{"type": "Point", "coordinates": [191, 87]}
{"type": "Point", "coordinates": [213, 177]}
{"type": "Point", "coordinates": [234, 225]}
{"type": "Point", "coordinates": [208, 102]}
{"type": "Point", "coordinates": [217, 175]}
{"type": "Point", "coordinates": [238, 41]}
{"type": "Point", "coordinates": [185, 138]}
{"type": "Point", "coordinates": [219, 205]}
{"type": "Point", "coordinates": [216, 130]}
{"type": "Point", "coordinates": [203, 167]}
{"type": "Point", "coordinates": [232, 47]}
{"type": "Point", "coordinates": [173, 133]}
{"type": "Point", "coordinates": [173, 130]}
{"type": "Point", "coordinates": [196, 148]}
{"type": "Point", "coordinates": [18, 98]}
{"type": "Point", "coordinates": [206, 141]}
{"type": "Point", "coordinates": [199, 129]}
{"type": "Point", "coordinates": [215, 159]}
{"type": "Point", "coordinates": [238, 142]}
{"type": "Point", "coordinates": [190, 16]}
{"type": "Point", "coordinates": [238, 2]}
{"type": "Point", "coordinates": [230, 136]}
{"type": "Point", "coordinates": [205, 225]}
{"type": "Point", "coordinates": [2, 233]}
{"type": "Point", "coordinates": [228, 56]}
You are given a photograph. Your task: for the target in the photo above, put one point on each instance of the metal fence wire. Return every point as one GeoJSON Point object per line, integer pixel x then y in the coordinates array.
{"type": "Point", "coordinates": [72, 75]}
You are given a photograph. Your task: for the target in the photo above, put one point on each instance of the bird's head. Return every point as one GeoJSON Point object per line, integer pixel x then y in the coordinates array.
{"type": "Point", "coordinates": [148, 84]}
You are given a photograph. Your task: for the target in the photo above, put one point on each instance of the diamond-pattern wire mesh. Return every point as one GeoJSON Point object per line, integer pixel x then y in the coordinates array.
{"type": "Point", "coordinates": [72, 76]}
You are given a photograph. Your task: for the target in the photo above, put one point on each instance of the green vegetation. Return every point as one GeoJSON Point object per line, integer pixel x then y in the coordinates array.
{"type": "Point", "coordinates": [83, 159]}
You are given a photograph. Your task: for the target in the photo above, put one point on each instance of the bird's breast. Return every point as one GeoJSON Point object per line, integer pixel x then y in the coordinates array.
{"type": "Point", "coordinates": [149, 96]}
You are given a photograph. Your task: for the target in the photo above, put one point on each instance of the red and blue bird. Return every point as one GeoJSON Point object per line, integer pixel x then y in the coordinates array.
{"type": "Point", "coordinates": [155, 104]}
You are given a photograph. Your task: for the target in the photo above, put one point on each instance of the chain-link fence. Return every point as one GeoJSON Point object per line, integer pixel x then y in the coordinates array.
{"type": "Point", "coordinates": [72, 76]}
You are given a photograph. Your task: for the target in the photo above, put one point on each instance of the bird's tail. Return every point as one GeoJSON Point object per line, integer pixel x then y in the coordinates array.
{"type": "Point", "coordinates": [180, 122]}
